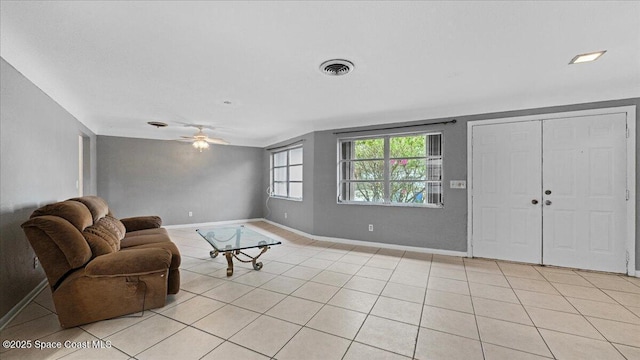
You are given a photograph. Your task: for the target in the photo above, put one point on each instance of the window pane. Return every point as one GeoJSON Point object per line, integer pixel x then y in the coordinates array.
{"type": "Point", "coordinates": [344, 170]}
{"type": "Point", "coordinates": [396, 169]}
{"type": "Point", "coordinates": [369, 149]}
{"type": "Point", "coordinates": [280, 174]}
{"type": "Point", "coordinates": [368, 170]}
{"type": "Point", "coordinates": [403, 169]}
{"type": "Point", "coordinates": [407, 192]}
{"type": "Point", "coordinates": [434, 169]}
{"type": "Point", "coordinates": [295, 173]}
{"type": "Point", "coordinates": [295, 190]}
{"type": "Point", "coordinates": [280, 189]}
{"type": "Point", "coordinates": [295, 156]}
{"type": "Point", "coordinates": [435, 145]}
{"type": "Point", "coordinates": [371, 192]}
{"type": "Point", "coordinates": [434, 193]}
{"type": "Point", "coordinates": [407, 146]}
{"type": "Point", "coordinates": [345, 150]}
{"type": "Point", "coordinates": [280, 158]}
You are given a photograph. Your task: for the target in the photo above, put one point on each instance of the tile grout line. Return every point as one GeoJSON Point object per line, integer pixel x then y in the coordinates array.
{"type": "Point", "coordinates": [529, 315]}
{"type": "Point", "coordinates": [387, 282]}
{"type": "Point", "coordinates": [365, 320]}
{"type": "Point", "coordinates": [424, 301]}
{"type": "Point", "coordinates": [611, 297]}
{"type": "Point", "coordinates": [585, 317]}
{"type": "Point", "coordinates": [289, 295]}
{"type": "Point", "coordinates": [473, 308]}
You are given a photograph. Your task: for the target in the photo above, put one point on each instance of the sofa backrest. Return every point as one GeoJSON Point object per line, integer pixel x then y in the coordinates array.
{"type": "Point", "coordinates": [74, 212]}
{"type": "Point", "coordinates": [96, 205]}
{"type": "Point", "coordinates": [55, 233]}
{"type": "Point", "coordinates": [68, 234]}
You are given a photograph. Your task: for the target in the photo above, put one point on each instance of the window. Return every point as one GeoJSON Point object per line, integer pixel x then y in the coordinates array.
{"type": "Point", "coordinates": [286, 173]}
{"type": "Point", "coordinates": [394, 169]}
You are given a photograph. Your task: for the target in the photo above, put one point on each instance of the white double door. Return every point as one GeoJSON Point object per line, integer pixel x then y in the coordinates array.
{"type": "Point", "coordinates": [551, 192]}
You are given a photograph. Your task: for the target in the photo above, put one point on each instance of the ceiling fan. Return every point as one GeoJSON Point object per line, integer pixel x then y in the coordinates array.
{"type": "Point", "coordinates": [200, 140]}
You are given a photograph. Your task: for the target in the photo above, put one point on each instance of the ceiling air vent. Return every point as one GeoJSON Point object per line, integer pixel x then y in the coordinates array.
{"type": "Point", "coordinates": [336, 67]}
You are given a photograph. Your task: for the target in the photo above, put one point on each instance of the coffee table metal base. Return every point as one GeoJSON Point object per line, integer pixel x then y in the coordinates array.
{"type": "Point", "coordinates": [234, 254]}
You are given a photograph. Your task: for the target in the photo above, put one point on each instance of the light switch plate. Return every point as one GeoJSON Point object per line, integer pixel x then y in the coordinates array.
{"type": "Point", "coordinates": [458, 184]}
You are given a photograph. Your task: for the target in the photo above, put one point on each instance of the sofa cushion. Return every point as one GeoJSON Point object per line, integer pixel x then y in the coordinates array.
{"type": "Point", "coordinates": [114, 225]}
{"type": "Point", "coordinates": [74, 212]}
{"type": "Point", "coordinates": [141, 223]}
{"type": "Point", "coordinates": [96, 205]}
{"type": "Point", "coordinates": [166, 245]}
{"type": "Point", "coordinates": [155, 231]}
{"type": "Point", "coordinates": [129, 241]}
{"type": "Point", "coordinates": [130, 263]}
{"type": "Point", "coordinates": [100, 241]}
{"type": "Point", "coordinates": [104, 236]}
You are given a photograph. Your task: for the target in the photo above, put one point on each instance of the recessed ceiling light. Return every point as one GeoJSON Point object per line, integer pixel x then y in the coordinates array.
{"type": "Point", "coordinates": [587, 57]}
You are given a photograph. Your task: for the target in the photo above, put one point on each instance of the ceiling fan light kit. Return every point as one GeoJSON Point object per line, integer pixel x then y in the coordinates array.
{"type": "Point", "coordinates": [201, 141]}
{"type": "Point", "coordinates": [200, 145]}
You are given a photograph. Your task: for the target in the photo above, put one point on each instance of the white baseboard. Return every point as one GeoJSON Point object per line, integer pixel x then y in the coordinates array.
{"type": "Point", "coordinates": [6, 319]}
{"type": "Point", "coordinates": [336, 240]}
{"type": "Point", "coordinates": [214, 223]}
{"type": "Point", "coordinates": [370, 243]}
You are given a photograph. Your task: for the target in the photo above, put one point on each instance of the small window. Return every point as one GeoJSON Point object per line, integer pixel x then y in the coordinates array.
{"type": "Point", "coordinates": [394, 170]}
{"type": "Point", "coordinates": [286, 173]}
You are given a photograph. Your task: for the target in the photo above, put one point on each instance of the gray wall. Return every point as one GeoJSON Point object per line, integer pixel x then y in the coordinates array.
{"type": "Point", "coordinates": [444, 228]}
{"type": "Point", "coordinates": [170, 178]}
{"type": "Point", "coordinates": [38, 165]}
{"type": "Point", "coordinates": [436, 228]}
{"type": "Point", "coordinates": [300, 214]}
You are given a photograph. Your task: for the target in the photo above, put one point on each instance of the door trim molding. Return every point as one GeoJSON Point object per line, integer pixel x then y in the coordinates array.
{"type": "Point", "coordinates": [630, 111]}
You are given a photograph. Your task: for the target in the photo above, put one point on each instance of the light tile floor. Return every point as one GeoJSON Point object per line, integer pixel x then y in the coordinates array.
{"type": "Point", "coordinates": [322, 300]}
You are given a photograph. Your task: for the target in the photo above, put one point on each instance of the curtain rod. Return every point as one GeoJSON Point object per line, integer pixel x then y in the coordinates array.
{"type": "Point", "coordinates": [397, 127]}
{"type": "Point", "coordinates": [284, 146]}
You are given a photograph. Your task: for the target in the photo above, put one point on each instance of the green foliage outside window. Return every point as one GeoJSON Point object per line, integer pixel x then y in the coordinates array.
{"type": "Point", "coordinates": [414, 173]}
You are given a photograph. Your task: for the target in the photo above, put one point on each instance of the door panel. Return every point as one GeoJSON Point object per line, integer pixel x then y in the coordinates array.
{"type": "Point", "coordinates": [506, 178]}
{"type": "Point", "coordinates": [584, 167]}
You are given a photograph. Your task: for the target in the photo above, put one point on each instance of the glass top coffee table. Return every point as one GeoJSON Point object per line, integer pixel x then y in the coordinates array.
{"type": "Point", "coordinates": [232, 240]}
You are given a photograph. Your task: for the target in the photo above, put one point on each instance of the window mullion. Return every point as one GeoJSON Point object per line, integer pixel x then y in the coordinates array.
{"type": "Point", "coordinates": [352, 169]}
{"type": "Point", "coordinates": [288, 178]}
{"type": "Point", "coordinates": [387, 171]}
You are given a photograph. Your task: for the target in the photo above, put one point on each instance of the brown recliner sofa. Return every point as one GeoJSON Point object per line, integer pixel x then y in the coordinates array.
{"type": "Point", "coordinates": [99, 267]}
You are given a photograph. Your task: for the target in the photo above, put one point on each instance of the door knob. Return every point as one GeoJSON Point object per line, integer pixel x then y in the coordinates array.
{"type": "Point", "coordinates": [547, 192]}
{"type": "Point", "coordinates": [534, 201]}
{"type": "Point", "coordinates": [547, 202]}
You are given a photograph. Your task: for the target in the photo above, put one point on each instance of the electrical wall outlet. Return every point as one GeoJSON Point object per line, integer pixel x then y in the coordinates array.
{"type": "Point", "coordinates": [36, 262]}
{"type": "Point", "coordinates": [370, 227]}
{"type": "Point", "coordinates": [458, 184]}
{"type": "Point", "coordinates": [190, 213]}
{"type": "Point", "coordinates": [285, 215]}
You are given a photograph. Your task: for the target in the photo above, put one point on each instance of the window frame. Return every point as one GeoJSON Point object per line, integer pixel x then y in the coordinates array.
{"type": "Point", "coordinates": [287, 166]}
{"type": "Point", "coordinates": [386, 180]}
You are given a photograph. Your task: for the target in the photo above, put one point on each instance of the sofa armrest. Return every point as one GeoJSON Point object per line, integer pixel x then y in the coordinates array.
{"type": "Point", "coordinates": [141, 223]}
{"type": "Point", "coordinates": [130, 262]}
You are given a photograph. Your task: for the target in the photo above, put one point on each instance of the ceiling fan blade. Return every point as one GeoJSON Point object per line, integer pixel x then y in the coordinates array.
{"type": "Point", "coordinates": [186, 137]}
{"type": "Point", "coordinates": [184, 140]}
{"type": "Point", "coordinates": [197, 126]}
{"type": "Point", "coordinates": [217, 141]}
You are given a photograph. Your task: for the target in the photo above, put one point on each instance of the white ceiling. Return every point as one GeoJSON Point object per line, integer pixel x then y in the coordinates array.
{"type": "Point", "coordinates": [115, 65]}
